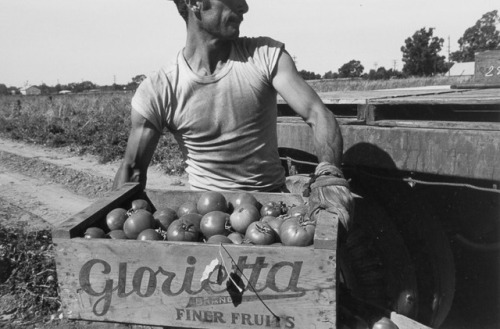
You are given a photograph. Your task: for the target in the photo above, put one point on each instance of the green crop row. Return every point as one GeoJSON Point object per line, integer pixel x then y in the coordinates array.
{"type": "Point", "coordinates": [96, 124]}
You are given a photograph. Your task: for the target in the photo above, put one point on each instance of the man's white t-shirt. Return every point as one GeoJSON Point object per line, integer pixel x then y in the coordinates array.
{"type": "Point", "coordinates": [225, 123]}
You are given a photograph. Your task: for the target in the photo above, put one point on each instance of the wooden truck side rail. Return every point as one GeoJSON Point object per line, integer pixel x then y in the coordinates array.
{"type": "Point", "coordinates": [413, 131]}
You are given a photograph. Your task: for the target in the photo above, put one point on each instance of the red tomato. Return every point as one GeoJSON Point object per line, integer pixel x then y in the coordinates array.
{"type": "Point", "coordinates": [194, 219]}
{"type": "Point", "coordinates": [274, 222]}
{"type": "Point", "coordinates": [94, 233]}
{"type": "Point", "coordinates": [117, 234]}
{"type": "Point", "coordinates": [260, 234]}
{"type": "Point", "coordinates": [236, 237]}
{"type": "Point", "coordinates": [115, 218]}
{"type": "Point", "coordinates": [164, 217]}
{"type": "Point", "coordinates": [242, 216]}
{"type": "Point", "coordinates": [245, 198]}
{"type": "Point", "coordinates": [270, 208]}
{"type": "Point", "coordinates": [211, 201]}
{"type": "Point", "coordinates": [138, 222]}
{"type": "Point", "coordinates": [140, 204]}
{"type": "Point", "coordinates": [179, 231]}
{"type": "Point", "coordinates": [188, 207]}
{"type": "Point", "coordinates": [297, 232]}
{"type": "Point", "coordinates": [215, 222]}
{"type": "Point", "coordinates": [298, 211]}
{"type": "Point", "coordinates": [149, 234]}
{"type": "Point", "coordinates": [218, 239]}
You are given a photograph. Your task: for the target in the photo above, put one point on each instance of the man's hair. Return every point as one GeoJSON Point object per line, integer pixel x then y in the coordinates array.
{"type": "Point", "coordinates": [182, 8]}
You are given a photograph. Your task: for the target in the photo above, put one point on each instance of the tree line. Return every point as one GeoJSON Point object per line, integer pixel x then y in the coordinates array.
{"type": "Point", "coordinates": [421, 53]}
{"type": "Point", "coordinates": [421, 57]}
{"type": "Point", "coordinates": [78, 87]}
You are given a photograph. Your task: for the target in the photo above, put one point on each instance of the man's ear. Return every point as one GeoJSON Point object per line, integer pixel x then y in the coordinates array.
{"type": "Point", "coordinates": [194, 5]}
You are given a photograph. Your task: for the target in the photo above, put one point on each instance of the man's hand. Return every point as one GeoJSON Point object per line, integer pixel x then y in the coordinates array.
{"type": "Point", "coordinates": [329, 190]}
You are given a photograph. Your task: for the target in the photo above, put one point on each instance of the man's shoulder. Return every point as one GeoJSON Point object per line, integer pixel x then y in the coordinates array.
{"type": "Point", "coordinates": [164, 74]}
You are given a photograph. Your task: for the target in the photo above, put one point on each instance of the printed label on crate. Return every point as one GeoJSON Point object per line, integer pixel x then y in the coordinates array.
{"type": "Point", "coordinates": [202, 293]}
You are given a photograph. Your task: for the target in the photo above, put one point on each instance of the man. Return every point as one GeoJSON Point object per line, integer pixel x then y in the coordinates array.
{"type": "Point", "coordinates": [218, 98]}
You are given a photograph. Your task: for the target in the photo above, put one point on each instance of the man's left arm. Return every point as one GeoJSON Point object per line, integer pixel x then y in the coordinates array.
{"type": "Point", "coordinates": [328, 190]}
{"type": "Point", "coordinates": [307, 104]}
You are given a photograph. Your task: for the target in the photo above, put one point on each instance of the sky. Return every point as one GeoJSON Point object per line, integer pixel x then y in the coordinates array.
{"type": "Point", "coordinates": [111, 41]}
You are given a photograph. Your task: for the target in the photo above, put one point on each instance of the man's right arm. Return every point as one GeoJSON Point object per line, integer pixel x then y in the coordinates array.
{"type": "Point", "coordinates": [141, 146]}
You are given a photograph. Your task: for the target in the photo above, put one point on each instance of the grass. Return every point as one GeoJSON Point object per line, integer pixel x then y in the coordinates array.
{"type": "Point", "coordinates": [98, 124]}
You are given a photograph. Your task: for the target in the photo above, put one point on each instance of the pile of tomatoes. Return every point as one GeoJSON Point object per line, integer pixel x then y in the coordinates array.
{"type": "Point", "coordinates": [212, 219]}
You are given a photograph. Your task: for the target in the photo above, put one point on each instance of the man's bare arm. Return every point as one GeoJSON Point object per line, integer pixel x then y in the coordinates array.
{"type": "Point", "coordinates": [141, 145]}
{"type": "Point", "coordinates": [306, 103]}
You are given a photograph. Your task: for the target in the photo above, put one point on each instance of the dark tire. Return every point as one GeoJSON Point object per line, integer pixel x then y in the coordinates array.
{"type": "Point", "coordinates": [374, 263]}
{"type": "Point", "coordinates": [426, 242]}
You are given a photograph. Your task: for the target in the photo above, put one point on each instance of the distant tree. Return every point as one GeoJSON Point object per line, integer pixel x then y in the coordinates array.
{"type": "Point", "coordinates": [482, 36]}
{"type": "Point", "coordinates": [44, 89]}
{"type": "Point", "coordinates": [306, 75]}
{"type": "Point", "coordinates": [14, 91]}
{"type": "Point", "coordinates": [352, 69]}
{"type": "Point", "coordinates": [81, 86]}
{"type": "Point", "coordinates": [330, 75]}
{"type": "Point", "coordinates": [421, 54]}
{"type": "Point", "coordinates": [4, 90]}
{"type": "Point", "coordinates": [383, 74]}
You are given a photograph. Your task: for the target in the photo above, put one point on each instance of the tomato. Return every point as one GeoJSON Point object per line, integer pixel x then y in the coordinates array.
{"type": "Point", "coordinates": [297, 231]}
{"type": "Point", "coordinates": [215, 222]}
{"type": "Point", "coordinates": [242, 216]}
{"type": "Point", "coordinates": [194, 219]}
{"type": "Point", "coordinates": [218, 239]}
{"type": "Point", "coordinates": [117, 234]}
{"type": "Point", "coordinates": [245, 198]}
{"type": "Point", "coordinates": [298, 211]}
{"type": "Point", "coordinates": [236, 237]}
{"type": "Point", "coordinates": [164, 217]}
{"type": "Point", "coordinates": [180, 231]}
{"type": "Point", "coordinates": [149, 234]}
{"type": "Point", "coordinates": [140, 204]}
{"type": "Point", "coordinates": [384, 323]}
{"type": "Point", "coordinates": [260, 233]}
{"type": "Point", "coordinates": [188, 207]}
{"type": "Point", "coordinates": [94, 233]}
{"type": "Point", "coordinates": [271, 208]}
{"type": "Point", "coordinates": [115, 219]}
{"type": "Point", "coordinates": [211, 201]}
{"type": "Point", "coordinates": [138, 222]}
{"type": "Point", "coordinates": [274, 222]}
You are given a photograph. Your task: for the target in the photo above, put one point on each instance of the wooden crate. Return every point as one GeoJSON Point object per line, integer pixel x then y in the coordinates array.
{"type": "Point", "coordinates": [159, 282]}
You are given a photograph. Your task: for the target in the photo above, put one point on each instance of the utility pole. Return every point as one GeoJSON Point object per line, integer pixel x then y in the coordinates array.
{"type": "Point", "coordinates": [394, 62]}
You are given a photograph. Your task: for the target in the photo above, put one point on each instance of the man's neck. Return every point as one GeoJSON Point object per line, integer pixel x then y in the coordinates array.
{"type": "Point", "coordinates": [206, 55]}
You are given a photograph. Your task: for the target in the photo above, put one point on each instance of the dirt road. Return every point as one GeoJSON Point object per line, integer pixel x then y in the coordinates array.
{"type": "Point", "coordinates": [54, 184]}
